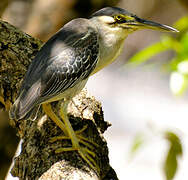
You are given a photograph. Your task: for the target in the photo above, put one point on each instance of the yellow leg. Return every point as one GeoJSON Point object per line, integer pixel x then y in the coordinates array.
{"type": "Point", "coordinates": [74, 136]}
{"type": "Point", "coordinates": [49, 112]}
{"type": "Point", "coordinates": [84, 152]}
{"type": "Point", "coordinates": [81, 139]}
{"type": "Point", "coordinates": [71, 133]}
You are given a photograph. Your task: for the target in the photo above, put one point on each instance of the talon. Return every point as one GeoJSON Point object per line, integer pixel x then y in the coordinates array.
{"type": "Point", "coordinates": [81, 130]}
{"type": "Point", "coordinates": [86, 144]}
{"type": "Point", "coordinates": [75, 137]}
{"type": "Point", "coordinates": [57, 138]}
{"type": "Point", "coordinates": [90, 161]}
{"type": "Point", "coordinates": [60, 150]}
{"type": "Point", "coordinates": [84, 153]}
{"type": "Point", "coordinates": [87, 140]}
{"type": "Point", "coordinates": [90, 152]}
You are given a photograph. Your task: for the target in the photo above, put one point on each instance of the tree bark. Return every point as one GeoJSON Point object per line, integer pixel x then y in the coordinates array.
{"type": "Point", "coordinates": [38, 159]}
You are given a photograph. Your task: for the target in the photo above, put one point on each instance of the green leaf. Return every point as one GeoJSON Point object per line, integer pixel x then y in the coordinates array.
{"type": "Point", "coordinates": [178, 83]}
{"type": "Point", "coordinates": [182, 24]}
{"type": "Point", "coordinates": [149, 52]}
{"type": "Point", "coordinates": [175, 150]}
{"type": "Point", "coordinates": [137, 143]}
{"type": "Point", "coordinates": [174, 141]}
{"type": "Point", "coordinates": [183, 67]}
{"type": "Point", "coordinates": [184, 44]}
{"type": "Point", "coordinates": [170, 166]}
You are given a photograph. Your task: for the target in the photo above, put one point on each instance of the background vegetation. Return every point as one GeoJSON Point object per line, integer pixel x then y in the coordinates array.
{"type": "Point", "coordinates": [41, 19]}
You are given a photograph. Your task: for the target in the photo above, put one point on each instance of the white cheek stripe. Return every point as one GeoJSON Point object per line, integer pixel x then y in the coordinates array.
{"type": "Point", "coordinates": [107, 19]}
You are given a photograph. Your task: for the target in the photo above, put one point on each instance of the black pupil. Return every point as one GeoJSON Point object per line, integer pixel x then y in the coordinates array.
{"type": "Point", "coordinates": [120, 19]}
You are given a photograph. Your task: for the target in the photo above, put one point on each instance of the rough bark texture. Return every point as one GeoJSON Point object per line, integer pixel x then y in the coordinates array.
{"type": "Point", "coordinates": [15, 47]}
{"type": "Point", "coordinates": [16, 52]}
{"type": "Point", "coordinates": [38, 159]}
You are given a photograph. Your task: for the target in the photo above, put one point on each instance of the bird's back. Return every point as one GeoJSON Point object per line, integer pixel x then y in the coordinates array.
{"type": "Point", "coordinates": [56, 66]}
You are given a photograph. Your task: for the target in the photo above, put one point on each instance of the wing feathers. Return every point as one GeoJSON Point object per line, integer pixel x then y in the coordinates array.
{"type": "Point", "coordinates": [65, 60]}
{"type": "Point", "coordinates": [25, 102]}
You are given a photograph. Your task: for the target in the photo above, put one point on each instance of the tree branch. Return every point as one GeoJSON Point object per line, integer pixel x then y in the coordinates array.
{"type": "Point", "coordinates": [37, 159]}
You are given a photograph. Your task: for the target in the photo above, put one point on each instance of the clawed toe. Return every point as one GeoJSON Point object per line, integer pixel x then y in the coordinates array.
{"type": "Point", "coordinates": [57, 138]}
{"type": "Point", "coordinates": [82, 145]}
{"type": "Point", "coordinates": [86, 155]}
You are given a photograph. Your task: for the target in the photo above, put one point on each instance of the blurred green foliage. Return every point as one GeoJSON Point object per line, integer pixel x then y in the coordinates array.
{"type": "Point", "coordinates": [178, 66]}
{"type": "Point", "coordinates": [175, 150]}
{"type": "Point", "coordinates": [138, 141]}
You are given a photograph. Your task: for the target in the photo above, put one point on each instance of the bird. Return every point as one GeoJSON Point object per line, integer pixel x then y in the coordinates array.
{"type": "Point", "coordinates": [61, 68]}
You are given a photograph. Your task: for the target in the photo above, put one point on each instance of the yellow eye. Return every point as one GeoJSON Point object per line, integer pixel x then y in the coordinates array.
{"type": "Point", "coordinates": [118, 17]}
{"type": "Point", "coordinates": [123, 18]}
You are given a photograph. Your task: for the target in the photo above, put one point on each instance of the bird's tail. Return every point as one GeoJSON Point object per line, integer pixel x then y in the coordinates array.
{"type": "Point", "coordinates": [16, 113]}
{"type": "Point", "coordinates": [25, 107]}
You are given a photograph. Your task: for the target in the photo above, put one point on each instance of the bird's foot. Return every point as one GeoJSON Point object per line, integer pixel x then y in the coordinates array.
{"type": "Point", "coordinates": [81, 138]}
{"type": "Point", "coordinates": [85, 152]}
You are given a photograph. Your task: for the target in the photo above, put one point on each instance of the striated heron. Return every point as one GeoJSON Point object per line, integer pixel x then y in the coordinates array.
{"type": "Point", "coordinates": [63, 65]}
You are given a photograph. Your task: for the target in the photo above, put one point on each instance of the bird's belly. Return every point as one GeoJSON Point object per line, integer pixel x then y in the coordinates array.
{"type": "Point", "coordinates": [69, 93]}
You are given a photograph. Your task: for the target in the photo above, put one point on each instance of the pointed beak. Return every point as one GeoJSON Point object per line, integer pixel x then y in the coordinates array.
{"type": "Point", "coordinates": [145, 24]}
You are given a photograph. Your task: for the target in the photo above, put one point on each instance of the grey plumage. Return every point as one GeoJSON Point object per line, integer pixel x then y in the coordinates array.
{"type": "Point", "coordinates": [111, 11]}
{"type": "Point", "coordinates": [63, 65]}
{"type": "Point", "coordinates": [81, 48]}
{"type": "Point", "coordinates": [64, 61]}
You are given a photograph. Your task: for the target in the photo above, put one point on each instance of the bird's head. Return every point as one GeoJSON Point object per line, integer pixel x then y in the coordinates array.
{"type": "Point", "coordinates": [114, 17]}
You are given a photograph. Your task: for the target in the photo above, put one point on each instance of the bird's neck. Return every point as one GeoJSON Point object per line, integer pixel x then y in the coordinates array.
{"type": "Point", "coordinates": [110, 43]}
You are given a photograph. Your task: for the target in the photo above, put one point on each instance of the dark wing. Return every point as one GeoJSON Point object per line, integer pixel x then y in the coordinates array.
{"type": "Point", "coordinates": [65, 60]}
{"type": "Point", "coordinates": [73, 65]}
